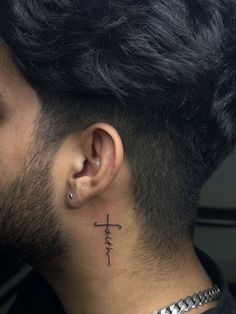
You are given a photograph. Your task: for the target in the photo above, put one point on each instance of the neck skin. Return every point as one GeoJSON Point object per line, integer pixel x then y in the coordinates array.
{"type": "Point", "coordinates": [86, 283]}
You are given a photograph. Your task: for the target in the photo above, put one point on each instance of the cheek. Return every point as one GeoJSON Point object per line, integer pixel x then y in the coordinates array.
{"type": "Point", "coordinates": [15, 138]}
{"type": "Point", "coordinates": [60, 172]}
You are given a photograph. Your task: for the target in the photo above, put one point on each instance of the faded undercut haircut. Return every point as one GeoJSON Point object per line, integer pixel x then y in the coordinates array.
{"type": "Point", "coordinates": [162, 72]}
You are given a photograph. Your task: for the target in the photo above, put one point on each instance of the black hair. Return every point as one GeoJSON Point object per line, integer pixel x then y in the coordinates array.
{"type": "Point", "coordinates": [162, 72]}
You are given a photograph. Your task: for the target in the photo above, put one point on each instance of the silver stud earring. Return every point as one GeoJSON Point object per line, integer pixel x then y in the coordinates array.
{"type": "Point", "coordinates": [70, 196]}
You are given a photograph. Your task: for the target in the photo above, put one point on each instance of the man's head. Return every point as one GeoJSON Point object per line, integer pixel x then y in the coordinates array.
{"type": "Point", "coordinates": [115, 102]}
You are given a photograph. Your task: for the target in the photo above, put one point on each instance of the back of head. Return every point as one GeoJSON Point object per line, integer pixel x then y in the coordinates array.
{"type": "Point", "coordinates": [161, 72]}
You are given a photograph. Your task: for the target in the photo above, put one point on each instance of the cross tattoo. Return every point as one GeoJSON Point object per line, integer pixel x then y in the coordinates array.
{"type": "Point", "coordinates": [108, 236]}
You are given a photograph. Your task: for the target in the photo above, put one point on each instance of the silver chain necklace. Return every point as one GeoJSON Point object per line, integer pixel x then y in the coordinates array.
{"type": "Point", "coordinates": [190, 303]}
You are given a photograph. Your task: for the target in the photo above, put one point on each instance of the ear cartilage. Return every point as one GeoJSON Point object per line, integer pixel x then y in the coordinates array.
{"type": "Point", "coordinates": [97, 161]}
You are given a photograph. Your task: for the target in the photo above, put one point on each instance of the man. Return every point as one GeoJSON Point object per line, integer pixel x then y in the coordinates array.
{"type": "Point", "coordinates": [113, 116]}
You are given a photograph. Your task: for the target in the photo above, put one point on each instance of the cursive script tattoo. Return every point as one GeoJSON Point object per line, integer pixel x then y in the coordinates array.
{"type": "Point", "coordinates": [108, 237]}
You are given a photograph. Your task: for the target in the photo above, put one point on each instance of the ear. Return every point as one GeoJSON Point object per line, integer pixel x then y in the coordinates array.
{"type": "Point", "coordinates": [96, 164]}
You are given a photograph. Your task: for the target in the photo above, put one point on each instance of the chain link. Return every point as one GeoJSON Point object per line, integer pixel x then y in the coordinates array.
{"type": "Point", "coordinates": [197, 299]}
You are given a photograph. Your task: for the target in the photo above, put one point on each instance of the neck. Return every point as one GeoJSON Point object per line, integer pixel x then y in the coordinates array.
{"type": "Point", "coordinates": [88, 285]}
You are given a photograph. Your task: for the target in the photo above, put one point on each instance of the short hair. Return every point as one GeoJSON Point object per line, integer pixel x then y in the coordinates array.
{"type": "Point", "coordinates": [161, 72]}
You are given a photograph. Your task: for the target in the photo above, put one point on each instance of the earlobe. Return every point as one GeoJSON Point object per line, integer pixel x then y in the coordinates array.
{"type": "Point", "coordinates": [81, 192]}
